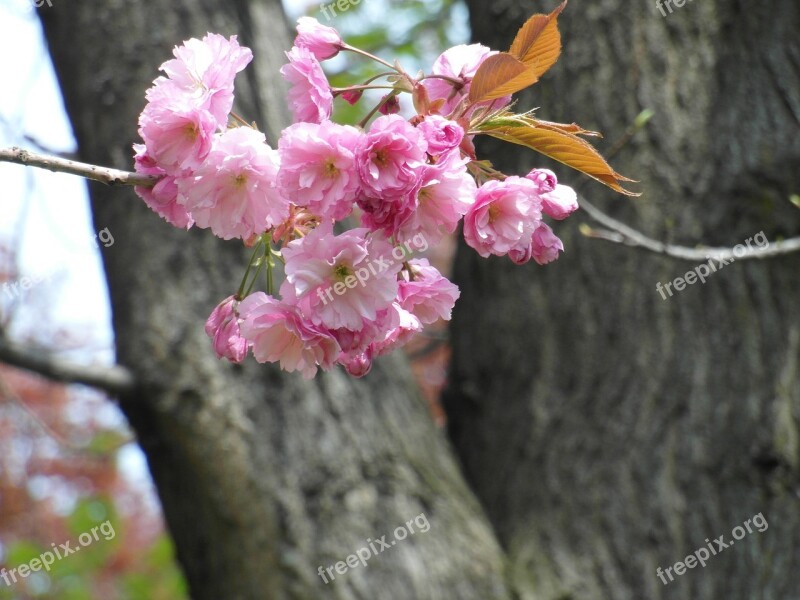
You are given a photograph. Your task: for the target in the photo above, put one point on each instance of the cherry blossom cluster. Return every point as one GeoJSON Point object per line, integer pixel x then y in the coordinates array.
{"type": "Point", "coordinates": [404, 180]}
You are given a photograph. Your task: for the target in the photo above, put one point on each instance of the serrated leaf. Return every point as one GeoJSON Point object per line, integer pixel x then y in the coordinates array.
{"type": "Point", "coordinates": [566, 148]}
{"type": "Point", "coordinates": [498, 76]}
{"type": "Point", "coordinates": [538, 42]}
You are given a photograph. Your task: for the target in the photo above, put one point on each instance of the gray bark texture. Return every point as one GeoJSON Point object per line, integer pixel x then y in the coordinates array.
{"type": "Point", "coordinates": [607, 431]}
{"type": "Point", "coordinates": [263, 476]}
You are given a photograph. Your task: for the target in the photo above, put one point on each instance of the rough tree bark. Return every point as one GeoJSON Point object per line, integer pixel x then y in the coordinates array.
{"type": "Point", "coordinates": [607, 431]}
{"type": "Point", "coordinates": [263, 477]}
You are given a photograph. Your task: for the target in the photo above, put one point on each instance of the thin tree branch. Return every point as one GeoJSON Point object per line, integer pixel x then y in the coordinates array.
{"type": "Point", "coordinates": [62, 165]}
{"type": "Point", "coordinates": [114, 380]}
{"type": "Point", "coordinates": [619, 233]}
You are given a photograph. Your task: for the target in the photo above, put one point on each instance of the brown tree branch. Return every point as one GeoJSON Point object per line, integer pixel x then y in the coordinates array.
{"type": "Point", "coordinates": [57, 164]}
{"type": "Point", "coordinates": [619, 233]}
{"type": "Point", "coordinates": [114, 380]}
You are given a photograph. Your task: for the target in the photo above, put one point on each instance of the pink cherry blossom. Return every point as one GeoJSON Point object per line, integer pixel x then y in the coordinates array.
{"type": "Point", "coordinates": [177, 134]}
{"type": "Point", "coordinates": [390, 157]}
{"type": "Point", "coordinates": [442, 135]}
{"type": "Point", "coordinates": [545, 245]}
{"type": "Point", "coordinates": [558, 201]}
{"type": "Point", "coordinates": [163, 196]}
{"type": "Point", "coordinates": [205, 70]}
{"type": "Point", "coordinates": [310, 95]}
{"type": "Point", "coordinates": [444, 195]}
{"type": "Point", "coordinates": [397, 327]}
{"type": "Point", "coordinates": [504, 217]}
{"type": "Point", "coordinates": [428, 296]}
{"type": "Point", "coordinates": [223, 327]}
{"type": "Point", "coordinates": [318, 167]}
{"type": "Point", "coordinates": [279, 333]}
{"type": "Point", "coordinates": [322, 41]}
{"type": "Point", "coordinates": [340, 280]}
{"type": "Point", "coordinates": [461, 63]}
{"type": "Point", "coordinates": [234, 192]}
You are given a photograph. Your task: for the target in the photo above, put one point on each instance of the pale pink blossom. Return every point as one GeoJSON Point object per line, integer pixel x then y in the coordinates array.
{"type": "Point", "coordinates": [278, 332]}
{"type": "Point", "coordinates": [558, 201]}
{"type": "Point", "coordinates": [177, 134]}
{"type": "Point", "coordinates": [442, 135]}
{"type": "Point", "coordinates": [234, 192]}
{"type": "Point", "coordinates": [318, 167]}
{"type": "Point", "coordinates": [223, 327]}
{"type": "Point", "coordinates": [444, 195]}
{"type": "Point", "coordinates": [545, 245]}
{"type": "Point", "coordinates": [461, 63]}
{"type": "Point", "coordinates": [397, 327]}
{"type": "Point", "coordinates": [504, 217]}
{"type": "Point", "coordinates": [425, 293]}
{"type": "Point", "coordinates": [340, 280]}
{"type": "Point", "coordinates": [205, 71]}
{"type": "Point", "coordinates": [310, 96]}
{"type": "Point", "coordinates": [390, 157]}
{"type": "Point", "coordinates": [163, 196]}
{"type": "Point", "coordinates": [322, 41]}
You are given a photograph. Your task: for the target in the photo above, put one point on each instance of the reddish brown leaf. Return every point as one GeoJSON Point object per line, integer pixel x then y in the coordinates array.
{"type": "Point", "coordinates": [566, 148]}
{"type": "Point", "coordinates": [500, 75]}
{"type": "Point", "coordinates": [538, 42]}
{"type": "Point", "coordinates": [573, 128]}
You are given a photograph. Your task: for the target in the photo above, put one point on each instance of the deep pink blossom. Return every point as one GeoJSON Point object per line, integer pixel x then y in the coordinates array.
{"type": "Point", "coordinates": [163, 196]}
{"type": "Point", "coordinates": [340, 280]}
{"type": "Point", "coordinates": [279, 333]}
{"type": "Point", "coordinates": [428, 295]}
{"type": "Point", "coordinates": [310, 95]}
{"type": "Point", "coordinates": [322, 41]}
{"type": "Point", "coordinates": [234, 192]}
{"type": "Point", "coordinates": [223, 327]}
{"type": "Point", "coordinates": [504, 217]}
{"type": "Point", "coordinates": [545, 245]}
{"type": "Point", "coordinates": [318, 167]}
{"type": "Point", "coordinates": [390, 157]}
{"type": "Point", "coordinates": [442, 135]}
{"type": "Point", "coordinates": [558, 201]}
{"type": "Point", "coordinates": [444, 195]}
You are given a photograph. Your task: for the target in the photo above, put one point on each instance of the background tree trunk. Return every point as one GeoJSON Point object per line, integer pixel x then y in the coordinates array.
{"type": "Point", "coordinates": [263, 477]}
{"type": "Point", "coordinates": [607, 431]}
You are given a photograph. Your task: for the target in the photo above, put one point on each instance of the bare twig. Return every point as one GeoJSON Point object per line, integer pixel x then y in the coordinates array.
{"type": "Point", "coordinates": [619, 233]}
{"type": "Point", "coordinates": [114, 380]}
{"type": "Point", "coordinates": [62, 165]}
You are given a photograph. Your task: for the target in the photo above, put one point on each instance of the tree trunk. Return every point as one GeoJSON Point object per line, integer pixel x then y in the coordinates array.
{"type": "Point", "coordinates": [263, 476]}
{"type": "Point", "coordinates": [608, 431]}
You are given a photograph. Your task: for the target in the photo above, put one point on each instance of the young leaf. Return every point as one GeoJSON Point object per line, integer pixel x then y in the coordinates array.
{"type": "Point", "coordinates": [564, 147]}
{"type": "Point", "coordinates": [573, 128]}
{"type": "Point", "coordinates": [538, 42]}
{"type": "Point", "coordinates": [500, 75]}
